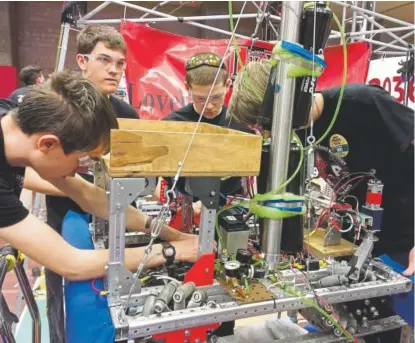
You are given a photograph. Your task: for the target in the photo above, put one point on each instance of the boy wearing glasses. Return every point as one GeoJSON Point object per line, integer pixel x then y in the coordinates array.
{"type": "Point", "coordinates": [101, 58]}
{"type": "Point", "coordinates": [201, 72]}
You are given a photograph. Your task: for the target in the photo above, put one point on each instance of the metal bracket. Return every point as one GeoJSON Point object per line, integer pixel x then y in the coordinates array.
{"type": "Point", "coordinates": [207, 189]}
{"type": "Point", "coordinates": [332, 237]}
{"type": "Point", "coordinates": [120, 322]}
{"type": "Point", "coordinates": [122, 192]}
{"type": "Point", "coordinates": [361, 255]}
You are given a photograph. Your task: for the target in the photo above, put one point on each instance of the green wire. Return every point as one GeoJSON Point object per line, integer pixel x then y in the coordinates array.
{"type": "Point", "coordinates": [312, 303]}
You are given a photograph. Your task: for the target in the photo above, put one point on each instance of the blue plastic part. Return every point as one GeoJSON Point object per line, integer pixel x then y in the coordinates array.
{"type": "Point", "coordinates": [311, 328]}
{"type": "Point", "coordinates": [303, 53]}
{"type": "Point", "coordinates": [87, 315]}
{"type": "Point", "coordinates": [402, 304]}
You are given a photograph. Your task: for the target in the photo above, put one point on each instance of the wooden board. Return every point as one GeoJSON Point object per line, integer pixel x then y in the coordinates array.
{"type": "Point", "coordinates": [173, 126]}
{"type": "Point", "coordinates": [154, 148]}
{"type": "Point", "coordinates": [345, 248]}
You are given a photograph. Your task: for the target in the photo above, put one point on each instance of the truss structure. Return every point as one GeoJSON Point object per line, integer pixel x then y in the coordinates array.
{"type": "Point", "coordinates": [363, 25]}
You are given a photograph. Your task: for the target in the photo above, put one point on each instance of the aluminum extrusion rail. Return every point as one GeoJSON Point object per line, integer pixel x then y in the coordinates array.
{"type": "Point", "coordinates": [170, 321]}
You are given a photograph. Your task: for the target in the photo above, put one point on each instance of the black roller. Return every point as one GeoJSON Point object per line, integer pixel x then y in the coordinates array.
{"type": "Point", "coordinates": [244, 256]}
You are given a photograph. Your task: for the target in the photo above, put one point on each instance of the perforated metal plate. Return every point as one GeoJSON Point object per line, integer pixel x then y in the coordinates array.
{"type": "Point", "coordinates": [258, 292]}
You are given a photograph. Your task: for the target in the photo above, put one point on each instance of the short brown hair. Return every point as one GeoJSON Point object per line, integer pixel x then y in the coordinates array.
{"type": "Point", "coordinates": [248, 92]}
{"type": "Point", "coordinates": [71, 108]}
{"type": "Point", "coordinates": [91, 35]}
{"type": "Point", "coordinates": [205, 74]}
{"type": "Point", "coordinates": [29, 74]}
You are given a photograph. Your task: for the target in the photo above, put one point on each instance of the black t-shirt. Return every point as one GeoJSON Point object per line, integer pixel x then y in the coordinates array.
{"type": "Point", "coordinates": [379, 132]}
{"type": "Point", "coordinates": [18, 94]}
{"type": "Point", "coordinates": [12, 210]}
{"type": "Point", "coordinates": [231, 185]}
{"type": "Point", "coordinates": [57, 207]}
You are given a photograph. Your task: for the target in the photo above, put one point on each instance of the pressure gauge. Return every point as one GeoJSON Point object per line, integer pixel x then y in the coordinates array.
{"type": "Point", "coordinates": [232, 268]}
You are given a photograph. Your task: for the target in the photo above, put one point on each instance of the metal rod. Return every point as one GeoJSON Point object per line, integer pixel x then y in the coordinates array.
{"type": "Point", "coordinates": [406, 35]}
{"type": "Point", "coordinates": [63, 47]}
{"type": "Point", "coordinates": [387, 32]}
{"type": "Point", "coordinates": [389, 45]}
{"type": "Point", "coordinates": [393, 53]}
{"type": "Point", "coordinates": [379, 15]}
{"type": "Point", "coordinates": [281, 128]}
{"type": "Point", "coordinates": [95, 11]}
{"type": "Point", "coordinates": [344, 14]}
{"type": "Point", "coordinates": [30, 301]}
{"type": "Point", "coordinates": [406, 83]}
{"type": "Point", "coordinates": [154, 8]}
{"type": "Point", "coordinates": [353, 29]}
{"type": "Point", "coordinates": [373, 4]}
{"type": "Point", "coordinates": [143, 9]}
{"type": "Point", "coordinates": [182, 19]}
{"type": "Point", "coordinates": [352, 34]}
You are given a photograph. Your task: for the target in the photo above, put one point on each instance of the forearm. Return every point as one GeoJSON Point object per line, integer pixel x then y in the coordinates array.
{"type": "Point", "coordinates": [94, 200]}
{"type": "Point", "coordinates": [95, 261]}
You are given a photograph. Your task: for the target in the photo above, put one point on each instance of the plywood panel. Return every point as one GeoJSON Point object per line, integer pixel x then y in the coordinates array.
{"type": "Point", "coordinates": [315, 244]}
{"type": "Point", "coordinates": [157, 147]}
{"type": "Point", "coordinates": [173, 126]}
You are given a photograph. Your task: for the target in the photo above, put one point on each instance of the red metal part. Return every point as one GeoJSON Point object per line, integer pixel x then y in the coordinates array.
{"type": "Point", "coordinates": [373, 198]}
{"type": "Point", "coordinates": [163, 189]}
{"type": "Point", "coordinates": [202, 271]}
{"type": "Point", "coordinates": [202, 275]}
{"type": "Point", "coordinates": [177, 220]}
{"type": "Point", "coordinates": [192, 335]}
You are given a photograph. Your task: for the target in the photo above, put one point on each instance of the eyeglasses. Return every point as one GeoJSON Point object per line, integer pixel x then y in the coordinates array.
{"type": "Point", "coordinates": [214, 100]}
{"type": "Point", "coordinates": [211, 60]}
{"type": "Point", "coordinates": [108, 61]}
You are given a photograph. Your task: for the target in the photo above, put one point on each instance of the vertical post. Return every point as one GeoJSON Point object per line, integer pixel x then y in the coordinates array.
{"type": "Point", "coordinates": [63, 47]}
{"type": "Point", "coordinates": [281, 128]}
{"type": "Point", "coordinates": [122, 192]}
{"type": "Point", "coordinates": [354, 19]}
{"type": "Point", "coordinates": [30, 301]}
{"type": "Point", "coordinates": [99, 225]}
{"type": "Point", "coordinates": [207, 230]}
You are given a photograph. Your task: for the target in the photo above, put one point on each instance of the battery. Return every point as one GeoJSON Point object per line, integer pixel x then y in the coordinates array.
{"type": "Point", "coordinates": [234, 232]}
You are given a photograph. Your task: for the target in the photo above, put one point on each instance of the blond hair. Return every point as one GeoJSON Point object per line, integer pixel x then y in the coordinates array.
{"type": "Point", "coordinates": [248, 92]}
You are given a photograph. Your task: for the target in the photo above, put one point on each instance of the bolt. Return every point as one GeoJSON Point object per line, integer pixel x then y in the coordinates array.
{"type": "Point", "coordinates": [212, 194]}
{"type": "Point", "coordinates": [367, 302]}
{"type": "Point", "coordinates": [207, 270]}
{"type": "Point", "coordinates": [187, 333]}
{"type": "Point", "coordinates": [119, 206]}
{"type": "Point", "coordinates": [358, 312]}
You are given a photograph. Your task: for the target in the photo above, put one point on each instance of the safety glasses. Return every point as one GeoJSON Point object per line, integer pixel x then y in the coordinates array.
{"type": "Point", "coordinates": [211, 60]}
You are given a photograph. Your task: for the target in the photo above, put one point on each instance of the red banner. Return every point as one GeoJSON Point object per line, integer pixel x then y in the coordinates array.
{"type": "Point", "coordinates": [156, 66]}
{"type": "Point", "coordinates": [358, 57]}
{"type": "Point", "coordinates": [9, 80]}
